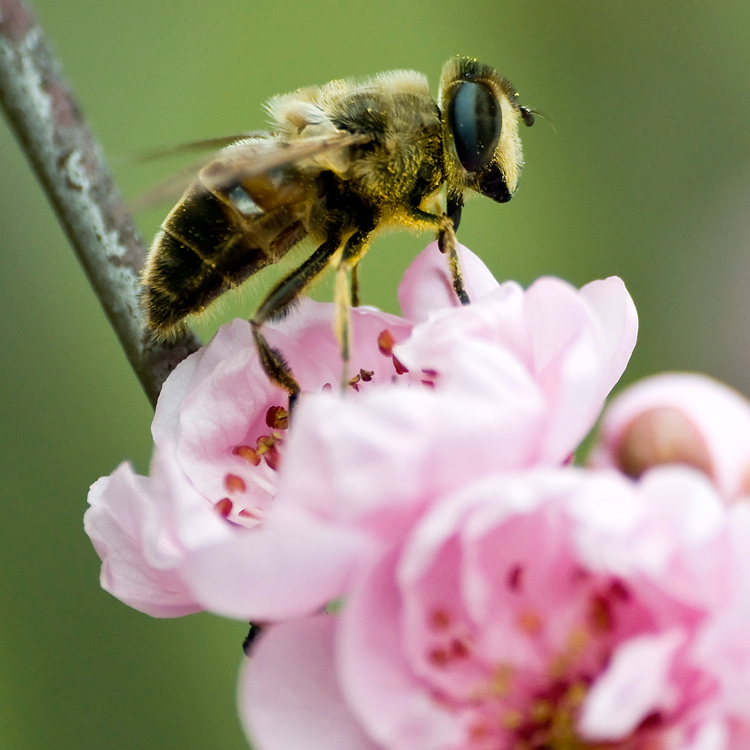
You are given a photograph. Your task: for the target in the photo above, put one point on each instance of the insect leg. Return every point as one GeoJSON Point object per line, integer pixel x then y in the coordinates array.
{"type": "Point", "coordinates": [455, 266]}
{"type": "Point", "coordinates": [355, 287]}
{"type": "Point", "coordinates": [276, 305]}
{"type": "Point", "coordinates": [447, 244]}
{"type": "Point", "coordinates": [345, 290]}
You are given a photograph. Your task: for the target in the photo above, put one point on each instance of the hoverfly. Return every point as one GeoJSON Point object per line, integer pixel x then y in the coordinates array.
{"type": "Point", "coordinates": [342, 161]}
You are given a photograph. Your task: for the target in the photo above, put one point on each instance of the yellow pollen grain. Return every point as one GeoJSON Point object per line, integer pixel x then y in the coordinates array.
{"type": "Point", "coordinates": [577, 642]}
{"type": "Point", "coordinates": [264, 444]}
{"type": "Point", "coordinates": [600, 614]}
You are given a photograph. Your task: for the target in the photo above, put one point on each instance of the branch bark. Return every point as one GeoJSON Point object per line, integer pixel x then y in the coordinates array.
{"type": "Point", "coordinates": [43, 113]}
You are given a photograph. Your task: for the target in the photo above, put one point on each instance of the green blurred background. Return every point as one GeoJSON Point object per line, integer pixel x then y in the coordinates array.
{"type": "Point", "coordinates": [646, 174]}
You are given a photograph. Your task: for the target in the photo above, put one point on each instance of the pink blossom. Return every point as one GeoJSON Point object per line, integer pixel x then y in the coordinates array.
{"type": "Point", "coordinates": [513, 380]}
{"type": "Point", "coordinates": [427, 284]}
{"type": "Point", "coordinates": [570, 345]}
{"type": "Point", "coordinates": [681, 418]}
{"type": "Point", "coordinates": [546, 609]}
{"type": "Point", "coordinates": [214, 408]}
{"type": "Point", "coordinates": [144, 528]}
{"type": "Point", "coordinates": [219, 431]}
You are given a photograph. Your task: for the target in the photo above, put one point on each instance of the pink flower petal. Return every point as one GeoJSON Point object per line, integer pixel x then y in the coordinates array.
{"type": "Point", "coordinates": [289, 568]}
{"type": "Point", "coordinates": [289, 695]}
{"type": "Point", "coordinates": [121, 507]}
{"type": "Point", "coordinates": [390, 702]}
{"type": "Point", "coordinates": [517, 609]}
{"type": "Point", "coordinates": [384, 455]}
{"type": "Point", "coordinates": [633, 686]}
{"type": "Point", "coordinates": [427, 284]}
{"type": "Point", "coordinates": [572, 344]}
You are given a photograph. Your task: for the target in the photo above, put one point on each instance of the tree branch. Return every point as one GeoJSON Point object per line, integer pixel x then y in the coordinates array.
{"type": "Point", "coordinates": [50, 128]}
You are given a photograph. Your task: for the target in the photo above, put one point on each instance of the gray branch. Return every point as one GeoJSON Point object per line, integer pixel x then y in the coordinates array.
{"type": "Point", "coordinates": [41, 109]}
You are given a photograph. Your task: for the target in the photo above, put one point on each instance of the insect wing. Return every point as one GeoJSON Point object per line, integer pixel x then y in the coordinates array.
{"type": "Point", "coordinates": [255, 156]}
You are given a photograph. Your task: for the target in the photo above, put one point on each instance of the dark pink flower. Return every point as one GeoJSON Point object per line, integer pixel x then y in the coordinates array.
{"type": "Point", "coordinates": [548, 609]}
{"type": "Point", "coordinates": [682, 418]}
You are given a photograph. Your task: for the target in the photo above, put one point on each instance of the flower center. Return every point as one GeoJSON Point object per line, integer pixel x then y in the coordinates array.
{"type": "Point", "coordinates": [506, 705]}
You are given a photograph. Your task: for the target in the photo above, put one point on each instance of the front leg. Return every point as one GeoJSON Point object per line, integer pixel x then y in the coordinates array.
{"type": "Point", "coordinates": [445, 226]}
{"type": "Point", "coordinates": [276, 305]}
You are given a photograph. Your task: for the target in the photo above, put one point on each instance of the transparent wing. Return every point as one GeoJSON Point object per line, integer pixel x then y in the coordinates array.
{"type": "Point", "coordinates": [252, 155]}
{"type": "Point", "coordinates": [202, 145]}
{"type": "Point", "coordinates": [257, 156]}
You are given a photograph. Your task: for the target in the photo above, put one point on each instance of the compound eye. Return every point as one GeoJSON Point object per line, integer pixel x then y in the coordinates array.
{"type": "Point", "coordinates": [475, 119]}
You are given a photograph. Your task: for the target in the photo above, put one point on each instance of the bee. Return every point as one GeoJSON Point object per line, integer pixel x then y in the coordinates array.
{"type": "Point", "coordinates": [342, 161]}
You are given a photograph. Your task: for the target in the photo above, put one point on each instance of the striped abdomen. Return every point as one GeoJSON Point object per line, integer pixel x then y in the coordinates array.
{"type": "Point", "coordinates": [216, 238]}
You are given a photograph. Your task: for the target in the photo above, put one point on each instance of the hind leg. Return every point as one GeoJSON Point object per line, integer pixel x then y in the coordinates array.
{"type": "Point", "coordinates": [277, 304]}
{"type": "Point", "coordinates": [345, 292]}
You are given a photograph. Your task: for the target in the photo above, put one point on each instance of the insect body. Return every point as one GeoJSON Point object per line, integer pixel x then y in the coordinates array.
{"type": "Point", "coordinates": [342, 161]}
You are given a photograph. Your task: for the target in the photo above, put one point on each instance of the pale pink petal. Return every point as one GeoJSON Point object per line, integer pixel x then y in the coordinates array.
{"type": "Point", "coordinates": [580, 344]}
{"type": "Point", "coordinates": [185, 521]}
{"type": "Point", "coordinates": [376, 680]}
{"type": "Point", "coordinates": [214, 406]}
{"type": "Point", "coordinates": [121, 505]}
{"type": "Point", "coordinates": [427, 284]}
{"type": "Point", "coordinates": [387, 453]}
{"type": "Point", "coordinates": [724, 647]}
{"type": "Point", "coordinates": [670, 530]}
{"type": "Point", "coordinates": [615, 310]}
{"type": "Point", "coordinates": [522, 594]}
{"type": "Point", "coordinates": [144, 529]}
{"type": "Point", "coordinates": [573, 346]}
{"type": "Point", "coordinates": [289, 695]}
{"type": "Point", "coordinates": [289, 568]}
{"type": "Point", "coordinates": [633, 686]}
{"type": "Point", "coordinates": [220, 397]}
{"type": "Point", "coordinates": [715, 735]}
